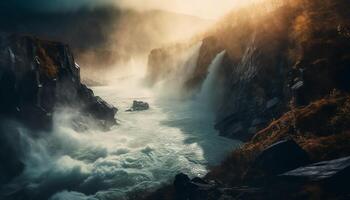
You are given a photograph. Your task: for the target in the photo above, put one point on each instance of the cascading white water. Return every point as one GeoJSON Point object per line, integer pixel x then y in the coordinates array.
{"type": "Point", "coordinates": [190, 57]}
{"type": "Point", "coordinates": [209, 89]}
{"type": "Point", "coordinates": [144, 151]}
{"type": "Point", "coordinates": [182, 68]}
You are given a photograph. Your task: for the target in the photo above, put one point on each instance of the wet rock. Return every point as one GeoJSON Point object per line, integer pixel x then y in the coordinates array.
{"type": "Point", "coordinates": [273, 102]}
{"type": "Point", "coordinates": [11, 165]}
{"type": "Point", "coordinates": [208, 51]}
{"type": "Point", "coordinates": [199, 180]}
{"type": "Point", "coordinates": [138, 106]}
{"type": "Point", "coordinates": [161, 62]}
{"type": "Point", "coordinates": [242, 192]}
{"type": "Point", "coordinates": [42, 119]}
{"type": "Point", "coordinates": [233, 129]}
{"type": "Point", "coordinates": [195, 189]}
{"type": "Point", "coordinates": [331, 177]}
{"type": "Point", "coordinates": [281, 157]}
{"type": "Point", "coordinates": [258, 121]}
{"type": "Point", "coordinates": [96, 106]}
{"type": "Point", "coordinates": [103, 111]}
{"type": "Point", "coordinates": [37, 76]}
{"type": "Point", "coordinates": [337, 170]}
{"type": "Point", "coordinates": [297, 85]}
{"type": "Point", "coordinates": [181, 184]}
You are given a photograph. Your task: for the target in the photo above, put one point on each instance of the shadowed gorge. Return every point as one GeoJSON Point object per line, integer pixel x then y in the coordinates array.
{"type": "Point", "coordinates": [162, 100]}
{"type": "Point", "coordinates": [101, 36]}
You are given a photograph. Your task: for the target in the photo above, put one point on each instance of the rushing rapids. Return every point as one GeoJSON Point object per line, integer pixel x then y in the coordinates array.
{"type": "Point", "coordinates": [144, 151]}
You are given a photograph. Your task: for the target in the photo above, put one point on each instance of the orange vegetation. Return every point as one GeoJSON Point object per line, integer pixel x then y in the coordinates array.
{"type": "Point", "coordinates": [321, 128]}
{"type": "Point", "coordinates": [47, 66]}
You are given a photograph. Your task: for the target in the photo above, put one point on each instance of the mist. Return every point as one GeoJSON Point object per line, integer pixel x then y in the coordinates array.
{"type": "Point", "coordinates": [208, 9]}
{"type": "Point", "coordinates": [158, 88]}
{"type": "Point", "coordinates": [112, 45]}
{"type": "Point", "coordinates": [130, 159]}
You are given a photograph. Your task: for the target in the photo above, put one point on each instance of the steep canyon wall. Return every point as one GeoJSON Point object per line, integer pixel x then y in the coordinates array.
{"type": "Point", "coordinates": [288, 56]}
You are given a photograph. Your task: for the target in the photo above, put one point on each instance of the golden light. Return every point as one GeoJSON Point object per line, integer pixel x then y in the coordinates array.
{"type": "Point", "coordinates": [210, 9]}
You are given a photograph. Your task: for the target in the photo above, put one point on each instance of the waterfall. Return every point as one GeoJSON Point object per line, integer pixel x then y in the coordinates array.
{"type": "Point", "coordinates": [185, 64]}
{"type": "Point", "coordinates": [191, 61]}
{"type": "Point", "coordinates": [209, 88]}
{"type": "Point", "coordinates": [180, 70]}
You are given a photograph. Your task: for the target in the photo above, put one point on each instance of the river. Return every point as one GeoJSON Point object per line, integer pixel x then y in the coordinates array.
{"type": "Point", "coordinates": [145, 150]}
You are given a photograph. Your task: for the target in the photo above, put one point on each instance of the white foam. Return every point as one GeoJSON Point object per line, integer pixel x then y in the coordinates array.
{"type": "Point", "coordinates": [147, 149]}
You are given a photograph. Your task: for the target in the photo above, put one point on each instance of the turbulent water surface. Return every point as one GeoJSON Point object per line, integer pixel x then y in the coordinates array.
{"type": "Point", "coordinates": [144, 151]}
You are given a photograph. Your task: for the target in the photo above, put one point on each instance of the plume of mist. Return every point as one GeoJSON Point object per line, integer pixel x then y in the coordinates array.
{"type": "Point", "coordinates": [208, 9]}
{"type": "Point", "coordinates": [136, 33]}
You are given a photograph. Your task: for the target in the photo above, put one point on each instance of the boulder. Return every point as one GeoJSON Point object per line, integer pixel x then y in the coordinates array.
{"type": "Point", "coordinates": [181, 185]}
{"type": "Point", "coordinates": [195, 189]}
{"type": "Point", "coordinates": [331, 177]}
{"type": "Point", "coordinates": [101, 110]}
{"type": "Point", "coordinates": [138, 106]}
{"type": "Point", "coordinates": [337, 170]}
{"type": "Point", "coordinates": [97, 107]}
{"type": "Point", "coordinates": [281, 157]}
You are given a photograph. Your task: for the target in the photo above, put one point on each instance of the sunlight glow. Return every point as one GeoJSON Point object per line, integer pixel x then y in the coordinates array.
{"type": "Point", "coordinates": [209, 9]}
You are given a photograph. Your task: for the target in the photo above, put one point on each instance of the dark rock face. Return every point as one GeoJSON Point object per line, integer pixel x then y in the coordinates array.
{"type": "Point", "coordinates": [333, 170]}
{"type": "Point", "coordinates": [195, 189]}
{"type": "Point", "coordinates": [281, 157]}
{"type": "Point", "coordinates": [37, 76]}
{"type": "Point", "coordinates": [139, 106]}
{"type": "Point", "coordinates": [161, 62]}
{"type": "Point", "coordinates": [253, 85]}
{"type": "Point", "coordinates": [209, 49]}
{"type": "Point", "coordinates": [255, 91]}
{"type": "Point", "coordinates": [331, 177]}
{"type": "Point", "coordinates": [10, 162]}
{"type": "Point", "coordinates": [181, 183]}
{"type": "Point", "coordinates": [97, 107]}
{"type": "Point", "coordinates": [266, 69]}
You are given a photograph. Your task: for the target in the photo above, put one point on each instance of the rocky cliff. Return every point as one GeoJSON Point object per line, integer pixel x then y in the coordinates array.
{"type": "Point", "coordinates": [280, 55]}
{"type": "Point", "coordinates": [36, 78]}
{"type": "Point", "coordinates": [100, 36]}
{"type": "Point", "coordinates": [286, 81]}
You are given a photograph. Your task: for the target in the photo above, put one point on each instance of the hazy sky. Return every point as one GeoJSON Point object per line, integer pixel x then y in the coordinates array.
{"type": "Point", "coordinates": [202, 8]}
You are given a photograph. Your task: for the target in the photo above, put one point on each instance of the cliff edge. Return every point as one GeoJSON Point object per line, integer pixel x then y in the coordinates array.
{"type": "Point", "coordinates": [38, 77]}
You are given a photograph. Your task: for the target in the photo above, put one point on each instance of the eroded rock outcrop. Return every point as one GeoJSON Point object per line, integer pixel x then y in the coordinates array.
{"type": "Point", "coordinates": [273, 160]}
{"type": "Point", "coordinates": [285, 73]}
{"type": "Point", "coordinates": [328, 177]}
{"type": "Point", "coordinates": [252, 84]}
{"type": "Point", "coordinates": [270, 64]}
{"type": "Point", "coordinates": [326, 170]}
{"type": "Point", "coordinates": [138, 106]}
{"type": "Point", "coordinates": [164, 61]}
{"type": "Point", "coordinates": [38, 76]}
{"type": "Point", "coordinates": [209, 49]}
